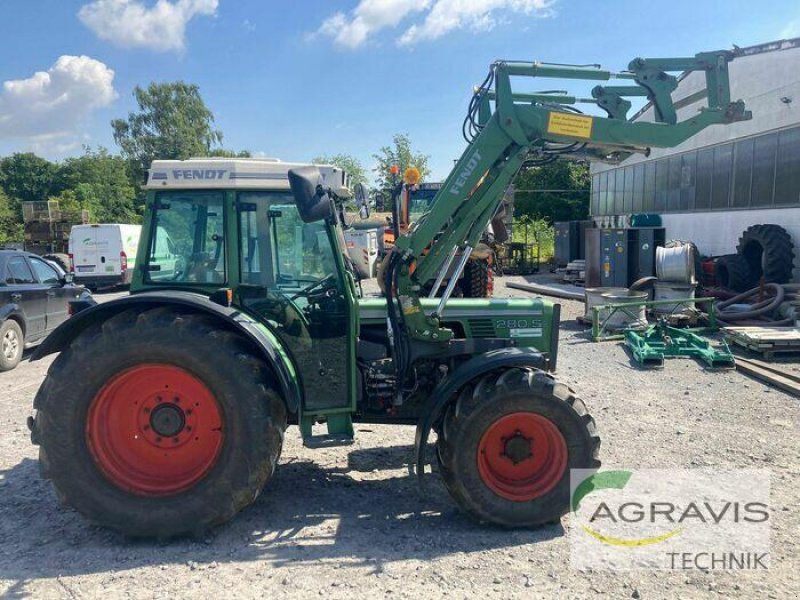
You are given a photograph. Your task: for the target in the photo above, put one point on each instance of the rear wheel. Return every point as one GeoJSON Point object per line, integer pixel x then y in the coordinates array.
{"type": "Point", "coordinates": [171, 432]}
{"type": "Point", "coordinates": [508, 443]}
{"type": "Point", "coordinates": [12, 344]}
{"type": "Point", "coordinates": [477, 281]}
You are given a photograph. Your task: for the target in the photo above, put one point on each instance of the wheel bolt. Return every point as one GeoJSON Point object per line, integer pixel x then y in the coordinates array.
{"type": "Point", "coordinates": [176, 440]}
{"type": "Point", "coordinates": [158, 440]}
{"type": "Point", "coordinates": [146, 427]}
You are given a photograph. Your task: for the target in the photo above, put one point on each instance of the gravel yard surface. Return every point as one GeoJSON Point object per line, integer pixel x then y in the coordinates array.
{"type": "Point", "coordinates": [349, 522]}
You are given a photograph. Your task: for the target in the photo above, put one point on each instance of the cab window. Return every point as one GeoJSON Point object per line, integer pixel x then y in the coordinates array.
{"type": "Point", "coordinates": [279, 250]}
{"type": "Point", "coordinates": [187, 244]}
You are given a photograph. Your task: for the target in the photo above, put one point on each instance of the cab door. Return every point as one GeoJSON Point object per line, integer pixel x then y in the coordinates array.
{"type": "Point", "coordinates": [293, 277]}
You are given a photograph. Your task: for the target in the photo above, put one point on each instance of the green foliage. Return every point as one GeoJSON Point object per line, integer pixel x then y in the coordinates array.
{"type": "Point", "coordinates": [532, 199]}
{"type": "Point", "coordinates": [10, 223]}
{"type": "Point", "coordinates": [223, 153]}
{"type": "Point", "coordinates": [402, 155]}
{"type": "Point", "coordinates": [536, 232]}
{"type": "Point", "coordinates": [346, 162]}
{"type": "Point", "coordinates": [173, 122]}
{"type": "Point", "coordinates": [26, 178]}
{"type": "Point", "coordinates": [101, 184]}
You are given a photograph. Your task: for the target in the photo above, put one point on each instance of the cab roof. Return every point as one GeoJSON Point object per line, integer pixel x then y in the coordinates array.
{"type": "Point", "coordinates": [232, 173]}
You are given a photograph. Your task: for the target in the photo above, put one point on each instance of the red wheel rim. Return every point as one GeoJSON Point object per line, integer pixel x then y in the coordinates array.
{"type": "Point", "coordinates": [154, 430]}
{"type": "Point", "coordinates": [522, 456]}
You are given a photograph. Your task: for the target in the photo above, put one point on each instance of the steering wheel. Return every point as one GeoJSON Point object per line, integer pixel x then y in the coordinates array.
{"type": "Point", "coordinates": [324, 282]}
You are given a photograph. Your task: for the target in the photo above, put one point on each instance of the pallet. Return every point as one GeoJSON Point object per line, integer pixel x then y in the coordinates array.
{"type": "Point", "coordinates": [767, 341]}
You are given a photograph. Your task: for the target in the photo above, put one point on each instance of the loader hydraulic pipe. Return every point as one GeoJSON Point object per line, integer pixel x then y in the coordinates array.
{"type": "Point", "coordinates": [443, 272]}
{"type": "Point", "coordinates": [452, 283]}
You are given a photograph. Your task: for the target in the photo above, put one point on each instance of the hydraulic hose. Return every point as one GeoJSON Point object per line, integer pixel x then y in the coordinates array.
{"type": "Point", "coordinates": [760, 309]}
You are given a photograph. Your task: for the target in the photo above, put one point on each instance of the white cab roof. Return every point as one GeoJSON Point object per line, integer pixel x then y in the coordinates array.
{"type": "Point", "coordinates": [233, 173]}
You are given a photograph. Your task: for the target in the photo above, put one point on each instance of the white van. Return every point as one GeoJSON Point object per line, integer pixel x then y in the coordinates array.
{"type": "Point", "coordinates": [103, 255]}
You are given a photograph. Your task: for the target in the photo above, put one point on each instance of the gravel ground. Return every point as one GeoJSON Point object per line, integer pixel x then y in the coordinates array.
{"type": "Point", "coordinates": [348, 522]}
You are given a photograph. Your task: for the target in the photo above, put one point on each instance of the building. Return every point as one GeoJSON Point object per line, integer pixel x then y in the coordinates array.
{"type": "Point", "coordinates": [713, 186]}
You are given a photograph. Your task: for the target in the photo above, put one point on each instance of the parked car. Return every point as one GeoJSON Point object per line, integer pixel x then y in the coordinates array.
{"type": "Point", "coordinates": [103, 255]}
{"type": "Point", "coordinates": [34, 299]}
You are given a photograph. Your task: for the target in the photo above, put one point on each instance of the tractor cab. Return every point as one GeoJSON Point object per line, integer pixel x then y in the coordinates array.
{"type": "Point", "coordinates": [235, 225]}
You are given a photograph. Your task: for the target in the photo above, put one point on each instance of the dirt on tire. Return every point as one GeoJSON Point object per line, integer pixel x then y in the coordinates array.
{"type": "Point", "coordinates": [253, 422]}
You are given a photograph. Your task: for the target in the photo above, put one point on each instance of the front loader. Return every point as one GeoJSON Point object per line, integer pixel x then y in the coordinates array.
{"type": "Point", "coordinates": [164, 413]}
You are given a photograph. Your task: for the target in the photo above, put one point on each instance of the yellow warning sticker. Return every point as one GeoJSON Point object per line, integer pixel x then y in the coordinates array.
{"type": "Point", "coordinates": [571, 125]}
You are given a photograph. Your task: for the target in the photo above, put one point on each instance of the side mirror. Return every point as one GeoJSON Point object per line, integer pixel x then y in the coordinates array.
{"type": "Point", "coordinates": [312, 202]}
{"type": "Point", "coordinates": [361, 200]}
{"type": "Point", "coordinates": [68, 279]}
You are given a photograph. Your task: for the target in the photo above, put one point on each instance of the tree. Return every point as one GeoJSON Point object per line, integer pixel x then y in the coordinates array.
{"type": "Point", "coordinates": [347, 163]}
{"type": "Point", "coordinates": [27, 178]}
{"type": "Point", "coordinates": [223, 153]}
{"type": "Point", "coordinates": [555, 192]}
{"type": "Point", "coordinates": [100, 183]}
{"type": "Point", "coordinates": [173, 122]}
{"type": "Point", "coordinates": [401, 155]}
{"type": "Point", "coordinates": [10, 222]}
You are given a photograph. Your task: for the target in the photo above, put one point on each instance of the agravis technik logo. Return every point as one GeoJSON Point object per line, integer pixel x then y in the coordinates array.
{"type": "Point", "coordinates": [676, 519]}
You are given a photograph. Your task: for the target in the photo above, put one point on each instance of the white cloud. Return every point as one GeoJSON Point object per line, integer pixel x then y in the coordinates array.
{"type": "Point", "coordinates": [370, 16]}
{"type": "Point", "coordinates": [477, 15]}
{"type": "Point", "coordinates": [132, 23]}
{"type": "Point", "coordinates": [48, 108]}
{"type": "Point", "coordinates": [440, 17]}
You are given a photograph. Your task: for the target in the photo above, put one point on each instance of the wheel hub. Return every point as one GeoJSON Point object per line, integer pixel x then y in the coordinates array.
{"type": "Point", "coordinates": [10, 344]}
{"type": "Point", "coordinates": [167, 420]}
{"type": "Point", "coordinates": [518, 448]}
{"type": "Point", "coordinates": [522, 456]}
{"type": "Point", "coordinates": [154, 430]}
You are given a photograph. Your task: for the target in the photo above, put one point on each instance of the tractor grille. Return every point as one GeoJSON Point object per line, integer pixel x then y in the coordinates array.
{"type": "Point", "coordinates": [482, 327]}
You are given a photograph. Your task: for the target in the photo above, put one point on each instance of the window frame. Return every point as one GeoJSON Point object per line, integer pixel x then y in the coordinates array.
{"type": "Point", "coordinates": [153, 233]}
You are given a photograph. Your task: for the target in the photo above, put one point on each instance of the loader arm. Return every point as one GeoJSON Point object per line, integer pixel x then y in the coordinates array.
{"type": "Point", "coordinates": [507, 130]}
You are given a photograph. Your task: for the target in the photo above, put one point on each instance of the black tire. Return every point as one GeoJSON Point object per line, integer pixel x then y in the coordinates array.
{"type": "Point", "coordinates": [252, 413]}
{"type": "Point", "coordinates": [477, 279]}
{"type": "Point", "coordinates": [732, 271]}
{"type": "Point", "coordinates": [488, 400]}
{"type": "Point", "coordinates": [12, 344]}
{"type": "Point", "coordinates": [769, 251]}
{"type": "Point", "coordinates": [62, 260]}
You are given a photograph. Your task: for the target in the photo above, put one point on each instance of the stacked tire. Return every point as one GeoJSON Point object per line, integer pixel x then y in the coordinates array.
{"type": "Point", "coordinates": [769, 253]}
{"type": "Point", "coordinates": [764, 252]}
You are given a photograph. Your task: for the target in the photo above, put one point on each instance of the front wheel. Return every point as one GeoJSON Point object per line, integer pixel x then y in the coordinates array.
{"type": "Point", "coordinates": [506, 447]}
{"type": "Point", "coordinates": [158, 424]}
{"type": "Point", "coordinates": [11, 344]}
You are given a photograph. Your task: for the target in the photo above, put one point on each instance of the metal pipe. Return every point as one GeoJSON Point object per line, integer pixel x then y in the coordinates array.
{"type": "Point", "coordinates": [452, 283]}
{"type": "Point", "coordinates": [443, 272]}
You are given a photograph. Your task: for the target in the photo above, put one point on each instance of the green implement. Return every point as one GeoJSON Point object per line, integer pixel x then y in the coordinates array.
{"type": "Point", "coordinates": [651, 346]}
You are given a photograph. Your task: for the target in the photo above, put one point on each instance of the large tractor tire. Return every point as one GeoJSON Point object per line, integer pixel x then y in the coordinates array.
{"type": "Point", "coordinates": [506, 447]}
{"type": "Point", "coordinates": [477, 280]}
{"type": "Point", "coordinates": [769, 251]}
{"type": "Point", "coordinates": [732, 271]}
{"type": "Point", "coordinates": [158, 424]}
{"type": "Point", "coordinates": [62, 260]}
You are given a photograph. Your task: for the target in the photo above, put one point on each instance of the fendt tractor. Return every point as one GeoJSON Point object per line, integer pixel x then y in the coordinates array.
{"type": "Point", "coordinates": [165, 412]}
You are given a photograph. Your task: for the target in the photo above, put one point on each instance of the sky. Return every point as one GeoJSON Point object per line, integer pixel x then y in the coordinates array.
{"type": "Point", "coordinates": [295, 79]}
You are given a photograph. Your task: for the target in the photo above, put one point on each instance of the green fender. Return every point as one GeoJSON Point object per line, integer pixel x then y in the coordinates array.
{"type": "Point", "coordinates": [444, 393]}
{"type": "Point", "coordinates": [260, 335]}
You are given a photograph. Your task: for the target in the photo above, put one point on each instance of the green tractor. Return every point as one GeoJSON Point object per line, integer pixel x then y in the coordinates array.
{"type": "Point", "coordinates": [165, 412]}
